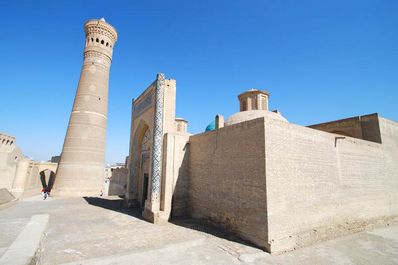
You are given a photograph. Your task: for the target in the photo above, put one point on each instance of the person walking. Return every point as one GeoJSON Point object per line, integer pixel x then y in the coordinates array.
{"type": "Point", "coordinates": [45, 193]}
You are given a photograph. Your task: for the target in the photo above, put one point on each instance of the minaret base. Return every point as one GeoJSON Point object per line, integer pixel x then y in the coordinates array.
{"type": "Point", "coordinates": [77, 180]}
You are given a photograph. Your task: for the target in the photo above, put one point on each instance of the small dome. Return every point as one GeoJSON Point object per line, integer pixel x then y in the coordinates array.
{"type": "Point", "coordinates": [211, 126]}
{"type": "Point", "coordinates": [253, 114]}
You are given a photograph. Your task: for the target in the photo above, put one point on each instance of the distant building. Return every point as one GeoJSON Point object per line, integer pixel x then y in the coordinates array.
{"type": "Point", "coordinates": [20, 175]}
{"type": "Point", "coordinates": [55, 159]}
{"type": "Point", "coordinates": [116, 179]}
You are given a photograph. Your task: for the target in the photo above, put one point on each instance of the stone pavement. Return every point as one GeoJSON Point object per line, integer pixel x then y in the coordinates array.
{"type": "Point", "coordinates": [24, 247]}
{"type": "Point", "coordinates": [101, 231]}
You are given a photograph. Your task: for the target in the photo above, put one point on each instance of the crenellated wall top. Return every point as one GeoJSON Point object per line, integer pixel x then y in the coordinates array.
{"type": "Point", "coordinates": [6, 139]}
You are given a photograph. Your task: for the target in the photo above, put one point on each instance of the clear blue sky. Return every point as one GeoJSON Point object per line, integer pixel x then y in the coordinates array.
{"type": "Point", "coordinates": [320, 60]}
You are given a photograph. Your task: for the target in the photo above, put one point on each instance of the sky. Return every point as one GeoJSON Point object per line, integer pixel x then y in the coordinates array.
{"type": "Point", "coordinates": [320, 61]}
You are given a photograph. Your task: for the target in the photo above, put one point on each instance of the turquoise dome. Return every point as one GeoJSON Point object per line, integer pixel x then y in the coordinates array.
{"type": "Point", "coordinates": [211, 126]}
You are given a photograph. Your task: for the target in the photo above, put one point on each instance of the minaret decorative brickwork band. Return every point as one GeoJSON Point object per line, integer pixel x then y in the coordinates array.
{"type": "Point", "coordinates": [157, 140]}
{"type": "Point", "coordinates": [82, 165]}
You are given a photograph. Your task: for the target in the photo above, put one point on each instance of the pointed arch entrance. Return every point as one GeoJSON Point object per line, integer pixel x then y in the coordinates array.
{"type": "Point", "coordinates": [140, 175]}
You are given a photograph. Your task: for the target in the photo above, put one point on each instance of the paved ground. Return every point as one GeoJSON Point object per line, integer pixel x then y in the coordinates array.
{"type": "Point", "coordinates": [101, 231]}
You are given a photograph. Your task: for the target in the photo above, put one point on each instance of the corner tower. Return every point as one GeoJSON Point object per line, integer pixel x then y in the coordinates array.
{"type": "Point", "coordinates": [82, 165]}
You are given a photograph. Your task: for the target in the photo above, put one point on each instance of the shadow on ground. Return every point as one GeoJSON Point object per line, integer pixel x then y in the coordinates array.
{"type": "Point", "coordinates": [207, 228]}
{"type": "Point", "coordinates": [117, 204]}
{"type": "Point", "coordinates": [114, 204]}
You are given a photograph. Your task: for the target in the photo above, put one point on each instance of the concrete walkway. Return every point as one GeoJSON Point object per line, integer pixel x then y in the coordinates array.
{"type": "Point", "coordinates": [24, 247]}
{"type": "Point", "coordinates": [101, 231]}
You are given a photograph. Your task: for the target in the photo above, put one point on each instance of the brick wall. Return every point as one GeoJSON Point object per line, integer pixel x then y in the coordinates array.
{"type": "Point", "coordinates": [364, 127]}
{"type": "Point", "coordinates": [118, 181]}
{"type": "Point", "coordinates": [227, 179]}
{"type": "Point", "coordinates": [320, 187]}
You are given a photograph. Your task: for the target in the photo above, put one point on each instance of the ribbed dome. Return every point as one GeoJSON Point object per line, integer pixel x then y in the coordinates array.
{"type": "Point", "coordinates": [253, 114]}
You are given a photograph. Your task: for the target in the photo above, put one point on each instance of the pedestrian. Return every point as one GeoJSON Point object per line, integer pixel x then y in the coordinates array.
{"type": "Point", "coordinates": [45, 193]}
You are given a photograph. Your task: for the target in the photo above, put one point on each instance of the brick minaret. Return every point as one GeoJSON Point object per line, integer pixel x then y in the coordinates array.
{"type": "Point", "coordinates": [82, 165]}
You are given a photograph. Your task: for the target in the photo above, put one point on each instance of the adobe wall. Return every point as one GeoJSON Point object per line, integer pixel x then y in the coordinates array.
{"type": "Point", "coordinates": [10, 154]}
{"type": "Point", "coordinates": [364, 127]}
{"type": "Point", "coordinates": [118, 181]}
{"type": "Point", "coordinates": [389, 133]}
{"type": "Point", "coordinates": [7, 174]}
{"type": "Point", "coordinates": [18, 174]}
{"type": "Point", "coordinates": [175, 174]}
{"type": "Point", "coordinates": [33, 184]}
{"type": "Point", "coordinates": [348, 126]}
{"type": "Point", "coordinates": [227, 179]}
{"type": "Point", "coordinates": [5, 196]}
{"type": "Point", "coordinates": [320, 186]}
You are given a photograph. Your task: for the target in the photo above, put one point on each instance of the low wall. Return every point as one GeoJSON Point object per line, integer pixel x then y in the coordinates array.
{"type": "Point", "coordinates": [7, 174]}
{"type": "Point", "coordinates": [321, 185]}
{"type": "Point", "coordinates": [118, 182]}
{"type": "Point", "coordinates": [33, 182]}
{"type": "Point", "coordinates": [5, 196]}
{"type": "Point", "coordinates": [227, 180]}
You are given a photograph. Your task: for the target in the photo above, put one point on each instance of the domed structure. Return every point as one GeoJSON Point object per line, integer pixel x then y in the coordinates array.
{"type": "Point", "coordinates": [253, 114]}
{"type": "Point", "coordinates": [211, 126]}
